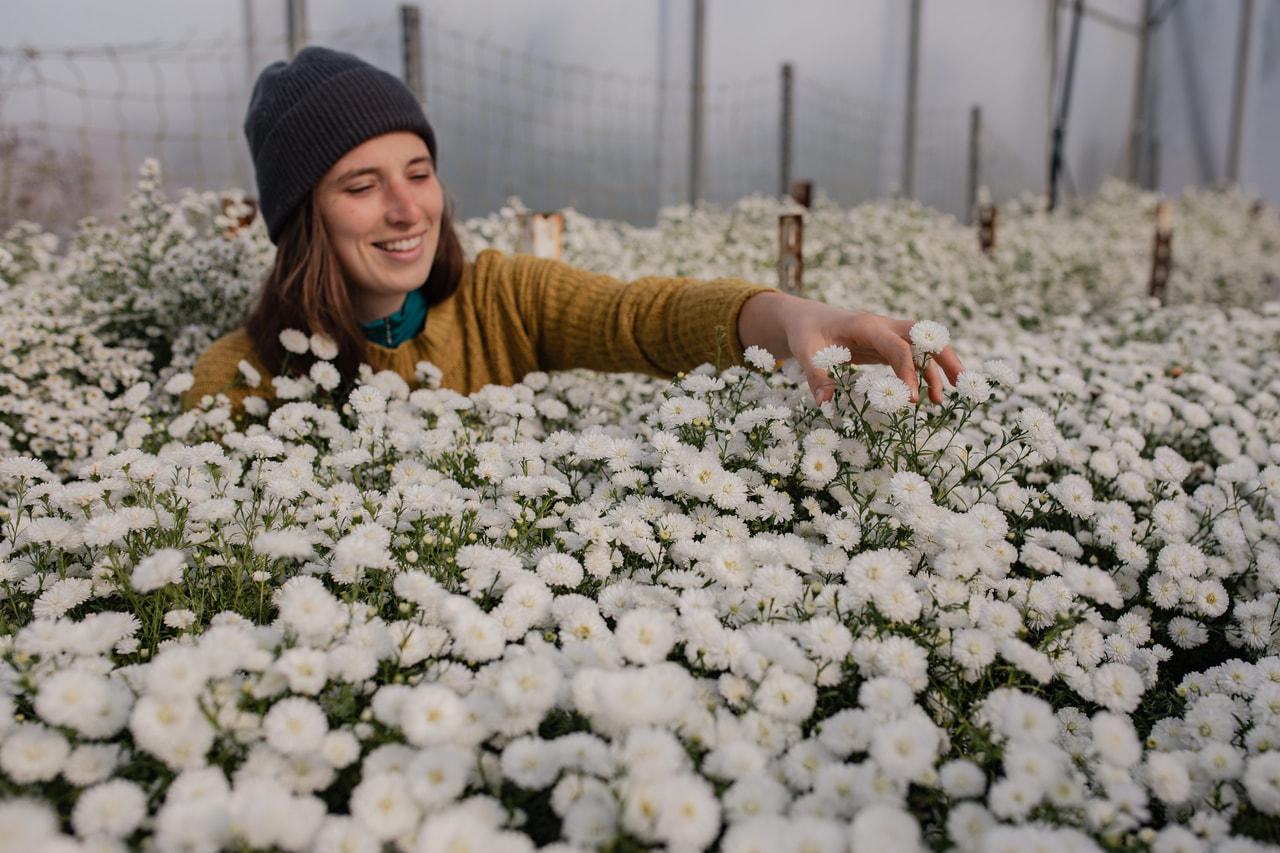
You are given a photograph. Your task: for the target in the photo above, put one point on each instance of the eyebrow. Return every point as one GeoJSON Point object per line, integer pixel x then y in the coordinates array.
{"type": "Point", "coordinates": [373, 170]}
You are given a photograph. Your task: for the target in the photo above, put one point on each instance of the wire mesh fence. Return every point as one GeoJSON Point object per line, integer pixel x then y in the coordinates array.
{"type": "Point", "coordinates": [75, 124]}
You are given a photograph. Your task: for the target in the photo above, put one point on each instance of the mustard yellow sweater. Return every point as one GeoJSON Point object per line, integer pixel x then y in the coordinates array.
{"type": "Point", "coordinates": [512, 316]}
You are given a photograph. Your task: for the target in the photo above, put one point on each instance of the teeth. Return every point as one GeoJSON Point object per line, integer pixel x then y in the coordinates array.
{"type": "Point", "coordinates": [402, 245]}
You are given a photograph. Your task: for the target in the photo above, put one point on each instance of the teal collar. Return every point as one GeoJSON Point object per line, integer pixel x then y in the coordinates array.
{"type": "Point", "coordinates": [401, 326]}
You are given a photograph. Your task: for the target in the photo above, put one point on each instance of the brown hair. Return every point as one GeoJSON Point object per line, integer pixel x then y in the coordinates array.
{"type": "Point", "coordinates": [306, 290]}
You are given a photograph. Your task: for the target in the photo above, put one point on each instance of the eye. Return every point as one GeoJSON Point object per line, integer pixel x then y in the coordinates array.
{"type": "Point", "coordinates": [359, 189]}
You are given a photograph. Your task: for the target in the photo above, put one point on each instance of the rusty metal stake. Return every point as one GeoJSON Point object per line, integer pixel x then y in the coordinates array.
{"type": "Point", "coordinates": [988, 215]}
{"type": "Point", "coordinates": [790, 254]}
{"type": "Point", "coordinates": [241, 222]}
{"type": "Point", "coordinates": [541, 235]}
{"type": "Point", "coordinates": [802, 193]}
{"type": "Point", "coordinates": [1162, 253]}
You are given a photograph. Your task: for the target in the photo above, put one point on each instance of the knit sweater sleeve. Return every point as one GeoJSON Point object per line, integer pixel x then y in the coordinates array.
{"type": "Point", "coordinates": [573, 318]}
{"type": "Point", "coordinates": [217, 371]}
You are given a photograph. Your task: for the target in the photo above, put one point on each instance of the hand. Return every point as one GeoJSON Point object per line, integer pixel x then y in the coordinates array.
{"type": "Point", "coordinates": [788, 326]}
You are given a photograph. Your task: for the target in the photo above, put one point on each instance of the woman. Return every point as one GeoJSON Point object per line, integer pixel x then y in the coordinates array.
{"type": "Point", "coordinates": [345, 164]}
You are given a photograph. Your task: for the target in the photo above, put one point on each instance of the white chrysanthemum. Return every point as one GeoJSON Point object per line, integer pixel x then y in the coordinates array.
{"type": "Point", "coordinates": [645, 635]}
{"type": "Point", "coordinates": [887, 394]}
{"type": "Point", "coordinates": [113, 809]}
{"type": "Point", "coordinates": [1115, 738]}
{"type": "Point", "coordinates": [885, 827]}
{"type": "Point", "coordinates": [831, 356]}
{"type": "Point", "coordinates": [295, 726]}
{"type": "Point", "coordinates": [688, 813]}
{"type": "Point", "coordinates": [929, 336]}
{"type": "Point", "coordinates": [33, 753]}
{"type": "Point", "coordinates": [325, 375]}
{"type": "Point", "coordinates": [250, 373]}
{"type": "Point", "coordinates": [294, 341]}
{"type": "Point", "coordinates": [1262, 782]}
{"type": "Point", "coordinates": [283, 544]}
{"type": "Point", "coordinates": [1117, 687]}
{"type": "Point", "coordinates": [383, 806]}
{"type": "Point", "coordinates": [26, 825]}
{"type": "Point", "coordinates": [162, 568]}
{"type": "Point", "coordinates": [562, 570]}
{"type": "Point", "coordinates": [760, 358]}
{"type": "Point", "coordinates": [431, 715]}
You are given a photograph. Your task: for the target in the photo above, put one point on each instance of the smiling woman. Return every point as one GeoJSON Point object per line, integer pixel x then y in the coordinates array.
{"type": "Point", "coordinates": [368, 270]}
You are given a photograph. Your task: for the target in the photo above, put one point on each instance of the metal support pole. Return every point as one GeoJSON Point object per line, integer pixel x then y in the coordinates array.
{"type": "Point", "coordinates": [411, 48]}
{"type": "Point", "coordinates": [1060, 128]}
{"type": "Point", "coordinates": [1138, 113]}
{"type": "Point", "coordinates": [913, 86]}
{"type": "Point", "coordinates": [1237, 103]}
{"type": "Point", "coordinates": [791, 254]}
{"type": "Point", "coordinates": [296, 11]}
{"type": "Point", "coordinates": [695, 107]}
{"type": "Point", "coordinates": [784, 143]}
{"type": "Point", "coordinates": [975, 162]}
{"type": "Point", "coordinates": [1051, 43]}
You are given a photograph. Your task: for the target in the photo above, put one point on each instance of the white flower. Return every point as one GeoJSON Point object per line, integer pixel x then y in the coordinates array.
{"type": "Point", "coordinates": [162, 568]}
{"type": "Point", "coordinates": [431, 715]}
{"type": "Point", "coordinates": [562, 570]}
{"type": "Point", "coordinates": [760, 358]}
{"type": "Point", "coordinates": [1262, 782]}
{"type": "Point", "coordinates": [27, 825]}
{"type": "Point", "coordinates": [295, 726]}
{"type": "Point", "coordinates": [383, 806]}
{"type": "Point", "coordinates": [323, 347]}
{"type": "Point", "coordinates": [688, 813]}
{"type": "Point", "coordinates": [33, 753]}
{"type": "Point", "coordinates": [283, 544]}
{"type": "Point", "coordinates": [884, 827]}
{"type": "Point", "coordinates": [645, 635]}
{"type": "Point", "coordinates": [887, 394]}
{"type": "Point", "coordinates": [250, 373]}
{"type": "Point", "coordinates": [325, 375]}
{"type": "Point", "coordinates": [113, 809]}
{"type": "Point", "coordinates": [906, 749]}
{"type": "Point", "coordinates": [1117, 687]}
{"type": "Point", "coordinates": [973, 386]}
{"type": "Point", "coordinates": [179, 383]}
{"type": "Point", "coordinates": [294, 341]}
{"type": "Point", "coordinates": [831, 356]}
{"type": "Point", "coordinates": [929, 336]}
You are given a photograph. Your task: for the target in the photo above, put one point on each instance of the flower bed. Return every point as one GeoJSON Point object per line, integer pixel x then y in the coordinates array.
{"type": "Point", "coordinates": [611, 612]}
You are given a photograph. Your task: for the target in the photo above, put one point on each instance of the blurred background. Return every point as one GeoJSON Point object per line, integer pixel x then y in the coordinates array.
{"type": "Point", "coordinates": [618, 107]}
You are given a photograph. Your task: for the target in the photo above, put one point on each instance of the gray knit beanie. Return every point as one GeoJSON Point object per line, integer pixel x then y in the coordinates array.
{"type": "Point", "coordinates": [306, 114]}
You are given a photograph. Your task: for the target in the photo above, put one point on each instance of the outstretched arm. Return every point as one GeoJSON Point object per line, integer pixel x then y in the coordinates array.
{"type": "Point", "coordinates": [788, 326]}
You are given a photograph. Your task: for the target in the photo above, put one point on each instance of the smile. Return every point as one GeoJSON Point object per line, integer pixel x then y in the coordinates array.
{"type": "Point", "coordinates": [405, 245]}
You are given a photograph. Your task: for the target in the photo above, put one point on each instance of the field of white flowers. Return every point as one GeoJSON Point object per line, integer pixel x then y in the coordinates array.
{"type": "Point", "coordinates": [611, 612]}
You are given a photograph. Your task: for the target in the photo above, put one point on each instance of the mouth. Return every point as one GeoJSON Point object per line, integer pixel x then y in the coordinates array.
{"type": "Point", "coordinates": [406, 244]}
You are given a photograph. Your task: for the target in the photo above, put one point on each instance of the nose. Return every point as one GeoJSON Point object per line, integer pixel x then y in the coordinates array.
{"type": "Point", "coordinates": [402, 206]}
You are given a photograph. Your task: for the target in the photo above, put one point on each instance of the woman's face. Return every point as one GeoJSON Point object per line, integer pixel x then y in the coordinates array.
{"type": "Point", "coordinates": [381, 206]}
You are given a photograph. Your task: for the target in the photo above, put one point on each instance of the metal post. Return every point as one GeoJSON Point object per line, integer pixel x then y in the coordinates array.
{"type": "Point", "coordinates": [784, 145]}
{"type": "Point", "coordinates": [296, 11]}
{"type": "Point", "coordinates": [411, 46]}
{"type": "Point", "coordinates": [1051, 39]}
{"type": "Point", "coordinates": [695, 108]}
{"type": "Point", "coordinates": [1161, 254]}
{"type": "Point", "coordinates": [1237, 103]}
{"type": "Point", "coordinates": [913, 85]}
{"type": "Point", "coordinates": [1060, 128]}
{"type": "Point", "coordinates": [791, 254]}
{"type": "Point", "coordinates": [1137, 115]}
{"type": "Point", "coordinates": [975, 162]}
